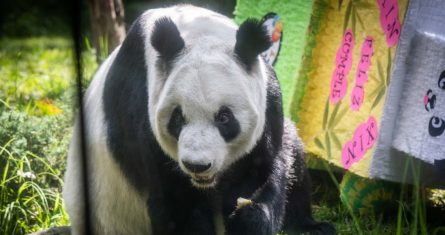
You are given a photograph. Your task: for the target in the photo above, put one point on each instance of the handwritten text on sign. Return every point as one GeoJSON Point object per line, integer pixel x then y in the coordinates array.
{"type": "Point", "coordinates": [361, 75]}
{"type": "Point", "coordinates": [389, 20]}
{"type": "Point", "coordinates": [365, 136]}
{"type": "Point", "coordinates": [343, 62]}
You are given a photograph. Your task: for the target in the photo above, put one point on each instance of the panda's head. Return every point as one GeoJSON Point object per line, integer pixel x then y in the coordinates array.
{"type": "Point", "coordinates": [207, 103]}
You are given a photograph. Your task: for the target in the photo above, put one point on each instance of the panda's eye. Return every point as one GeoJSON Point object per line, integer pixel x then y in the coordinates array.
{"type": "Point", "coordinates": [223, 116]}
{"type": "Point", "coordinates": [227, 124]}
{"type": "Point", "coordinates": [176, 122]}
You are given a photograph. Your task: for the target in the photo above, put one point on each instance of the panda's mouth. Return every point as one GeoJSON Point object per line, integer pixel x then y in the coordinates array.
{"type": "Point", "coordinates": [203, 181]}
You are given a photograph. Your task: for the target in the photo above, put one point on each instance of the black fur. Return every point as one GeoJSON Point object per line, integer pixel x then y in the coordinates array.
{"type": "Point", "coordinates": [258, 177]}
{"type": "Point", "coordinates": [175, 205]}
{"type": "Point", "coordinates": [252, 38]}
{"type": "Point", "coordinates": [166, 39]}
{"type": "Point", "coordinates": [227, 124]}
{"type": "Point", "coordinates": [129, 134]}
{"type": "Point", "coordinates": [125, 97]}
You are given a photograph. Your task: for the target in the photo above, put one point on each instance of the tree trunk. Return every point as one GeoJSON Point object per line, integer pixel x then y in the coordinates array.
{"type": "Point", "coordinates": [107, 26]}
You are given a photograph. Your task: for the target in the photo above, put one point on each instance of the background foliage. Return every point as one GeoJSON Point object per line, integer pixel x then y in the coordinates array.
{"type": "Point", "coordinates": [36, 113]}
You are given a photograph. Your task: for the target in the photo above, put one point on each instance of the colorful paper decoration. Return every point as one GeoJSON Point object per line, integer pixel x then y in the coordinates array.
{"type": "Point", "coordinates": [348, 84]}
{"type": "Point", "coordinates": [339, 114]}
{"type": "Point", "coordinates": [272, 22]}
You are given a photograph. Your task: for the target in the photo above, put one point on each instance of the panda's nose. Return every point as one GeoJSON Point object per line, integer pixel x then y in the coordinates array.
{"type": "Point", "coordinates": [196, 167]}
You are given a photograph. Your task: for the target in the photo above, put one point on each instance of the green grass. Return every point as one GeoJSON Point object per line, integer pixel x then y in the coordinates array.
{"type": "Point", "coordinates": [39, 71]}
{"type": "Point", "coordinates": [28, 201]}
{"type": "Point", "coordinates": [34, 69]}
{"type": "Point", "coordinates": [419, 210]}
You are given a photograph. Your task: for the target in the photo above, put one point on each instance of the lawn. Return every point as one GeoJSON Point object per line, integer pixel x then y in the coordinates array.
{"type": "Point", "coordinates": [36, 113]}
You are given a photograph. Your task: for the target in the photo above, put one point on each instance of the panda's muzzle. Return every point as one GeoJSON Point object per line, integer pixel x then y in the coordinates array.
{"type": "Point", "coordinates": [196, 167]}
{"type": "Point", "coordinates": [199, 174]}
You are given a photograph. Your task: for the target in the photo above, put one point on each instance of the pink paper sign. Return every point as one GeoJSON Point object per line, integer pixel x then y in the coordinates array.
{"type": "Point", "coordinates": [343, 62]}
{"type": "Point", "coordinates": [361, 76]}
{"type": "Point", "coordinates": [389, 20]}
{"type": "Point", "coordinates": [365, 136]}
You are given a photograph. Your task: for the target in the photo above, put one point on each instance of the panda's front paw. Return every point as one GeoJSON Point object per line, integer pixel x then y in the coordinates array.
{"type": "Point", "coordinates": [249, 218]}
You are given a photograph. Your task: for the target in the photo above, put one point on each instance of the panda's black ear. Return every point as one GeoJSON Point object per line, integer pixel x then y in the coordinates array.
{"type": "Point", "coordinates": [166, 39]}
{"type": "Point", "coordinates": [252, 38]}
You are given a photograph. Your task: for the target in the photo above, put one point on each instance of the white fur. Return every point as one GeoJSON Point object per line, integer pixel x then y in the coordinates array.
{"type": "Point", "coordinates": [109, 188]}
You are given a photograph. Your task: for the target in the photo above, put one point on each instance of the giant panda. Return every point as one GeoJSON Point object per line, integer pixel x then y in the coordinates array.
{"type": "Point", "coordinates": [185, 134]}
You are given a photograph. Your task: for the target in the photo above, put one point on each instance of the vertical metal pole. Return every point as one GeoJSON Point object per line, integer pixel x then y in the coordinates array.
{"type": "Point", "coordinates": [76, 35]}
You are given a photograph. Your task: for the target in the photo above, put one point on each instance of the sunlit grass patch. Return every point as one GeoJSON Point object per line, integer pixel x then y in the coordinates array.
{"type": "Point", "coordinates": [33, 69]}
{"type": "Point", "coordinates": [37, 72]}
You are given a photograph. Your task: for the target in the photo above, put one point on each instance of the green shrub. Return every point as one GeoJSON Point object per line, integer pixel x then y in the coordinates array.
{"type": "Point", "coordinates": [30, 185]}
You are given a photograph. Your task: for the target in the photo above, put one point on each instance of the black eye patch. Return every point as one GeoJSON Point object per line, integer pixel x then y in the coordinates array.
{"type": "Point", "coordinates": [227, 124]}
{"type": "Point", "coordinates": [176, 122]}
